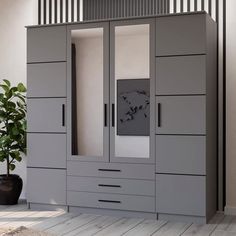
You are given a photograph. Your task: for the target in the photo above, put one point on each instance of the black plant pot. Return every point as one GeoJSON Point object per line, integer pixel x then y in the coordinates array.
{"type": "Point", "coordinates": [10, 189]}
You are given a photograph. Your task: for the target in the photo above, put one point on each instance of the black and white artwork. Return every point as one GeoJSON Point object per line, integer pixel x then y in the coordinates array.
{"type": "Point", "coordinates": [133, 107]}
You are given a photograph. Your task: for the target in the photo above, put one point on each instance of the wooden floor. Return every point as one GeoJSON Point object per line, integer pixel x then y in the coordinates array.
{"type": "Point", "coordinates": [63, 223]}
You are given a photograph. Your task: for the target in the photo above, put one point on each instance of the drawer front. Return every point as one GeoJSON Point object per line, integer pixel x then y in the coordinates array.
{"type": "Point", "coordinates": [46, 80]}
{"type": "Point", "coordinates": [105, 185]}
{"type": "Point", "coordinates": [179, 35]}
{"type": "Point", "coordinates": [181, 75]}
{"type": "Point", "coordinates": [111, 201]}
{"type": "Point", "coordinates": [181, 154]}
{"type": "Point", "coordinates": [46, 44]}
{"type": "Point", "coordinates": [181, 115]}
{"type": "Point", "coordinates": [111, 170]}
{"type": "Point", "coordinates": [181, 194]}
{"type": "Point", "coordinates": [46, 115]}
{"type": "Point", "coordinates": [46, 186]}
{"type": "Point", "coordinates": [46, 150]}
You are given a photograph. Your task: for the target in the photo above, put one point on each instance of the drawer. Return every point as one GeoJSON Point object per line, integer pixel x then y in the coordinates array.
{"type": "Point", "coordinates": [180, 35]}
{"type": "Point", "coordinates": [46, 150]}
{"type": "Point", "coordinates": [111, 170]}
{"type": "Point", "coordinates": [181, 115]}
{"type": "Point", "coordinates": [181, 154]}
{"type": "Point", "coordinates": [46, 186]}
{"type": "Point", "coordinates": [111, 201]}
{"type": "Point", "coordinates": [105, 185]}
{"type": "Point", "coordinates": [46, 80]}
{"type": "Point", "coordinates": [46, 44]}
{"type": "Point", "coordinates": [181, 194]}
{"type": "Point", "coordinates": [45, 115]}
{"type": "Point", "coordinates": [181, 75]}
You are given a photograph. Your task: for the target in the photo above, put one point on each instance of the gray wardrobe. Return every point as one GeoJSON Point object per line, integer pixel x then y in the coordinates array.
{"type": "Point", "coordinates": [122, 117]}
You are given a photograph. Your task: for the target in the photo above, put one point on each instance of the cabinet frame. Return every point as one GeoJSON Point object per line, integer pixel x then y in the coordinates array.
{"type": "Point", "coordinates": [105, 26]}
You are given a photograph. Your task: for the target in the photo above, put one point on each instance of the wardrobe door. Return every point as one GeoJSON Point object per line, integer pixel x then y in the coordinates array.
{"type": "Point", "coordinates": [88, 89]}
{"type": "Point", "coordinates": [132, 91]}
{"type": "Point", "coordinates": [181, 115]}
{"type": "Point", "coordinates": [46, 115]}
{"type": "Point", "coordinates": [46, 44]}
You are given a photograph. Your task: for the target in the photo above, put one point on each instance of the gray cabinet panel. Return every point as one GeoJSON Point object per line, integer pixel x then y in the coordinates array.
{"type": "Point", "coordinates": [46, 80]}
{"type": "Point", "coordinates": [45, 44]}
{"type": "Point", "coordinates": [111, 201]}
{"type": "Point", "coordinates": [181, 194]}
{"type": "Point", "coordinates": [46, 186]}
{"type": "Point", "coordinates": [181, 154]}
{"type": "Point", "coordinates": [45, 115]}
{"type": "Point", "coordinates": [181, 115]}
{"type": "Point", "coordinates": [46, 150]}
{"type": "Point", "coordinates": [181, 75]}
{"type": "Point", "coordinates": [179, 35]}
{"type": "Point", "coordinates": [111, 170]}
{"type": "Point", "coordinates": [116, 186]}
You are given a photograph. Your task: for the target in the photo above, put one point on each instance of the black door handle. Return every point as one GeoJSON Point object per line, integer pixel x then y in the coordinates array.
{"type": "Point", "coordinates": [105, 115]}
{"type": "Point", "coordinates": [63, 114]}
{"type": "Point", "coordinates": [113, 115]}
{"type": "Point", "coordinates": [159, 115]}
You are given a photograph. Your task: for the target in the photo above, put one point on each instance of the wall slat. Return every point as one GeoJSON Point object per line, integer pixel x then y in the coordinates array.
{"type": "Point", "coordinates": [106, 9]}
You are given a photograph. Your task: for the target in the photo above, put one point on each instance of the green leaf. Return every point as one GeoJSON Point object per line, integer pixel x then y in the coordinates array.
{"type": "Point", "coordinates": [7, 82]}
{"type": "Point", "coordinates": [5, 87]}
{"type": "Point", "coordinates": [21, 88]}
{"type": "Point", "coordinates": [12, 167]}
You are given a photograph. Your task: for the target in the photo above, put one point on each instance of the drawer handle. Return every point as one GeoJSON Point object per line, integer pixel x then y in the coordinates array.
{"type": "Point", "coordinates": [159, 115]}
{"type": "Point", "coordinates": [109, 185]}
{"type": "Point", "coordinates": [109, 170]}
{"type": "Point", "coordinates": [110, 201]}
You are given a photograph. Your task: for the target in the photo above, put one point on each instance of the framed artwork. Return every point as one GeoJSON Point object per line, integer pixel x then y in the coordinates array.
{"type": "Point", "coordinates": [133, 107]}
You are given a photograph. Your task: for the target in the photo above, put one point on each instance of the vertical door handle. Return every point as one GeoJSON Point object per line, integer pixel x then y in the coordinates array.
{"type": "Point", "coordinates": [105, 115]}
{"type": "Point", "coordinates": [113, 115]}
{"type": "Point", "coordinates": [159, 115]}
{"type": "Point", "coordinates": [63, 114]}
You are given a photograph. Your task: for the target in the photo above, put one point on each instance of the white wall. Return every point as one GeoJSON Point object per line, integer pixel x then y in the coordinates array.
{"type": "Point", "coordinates": [231, 107]}
{"type": "Point", "coordinates": [14, 16]}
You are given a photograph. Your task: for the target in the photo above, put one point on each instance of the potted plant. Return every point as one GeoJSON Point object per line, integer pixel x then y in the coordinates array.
{"type": "Point", "coordinates": [12, 139]}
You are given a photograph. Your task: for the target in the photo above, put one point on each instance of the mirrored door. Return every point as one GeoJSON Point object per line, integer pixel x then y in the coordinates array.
{"type": "Point", "coordinates": [132, 96]}
{"type": "Point", "coordinates": [88, 57]}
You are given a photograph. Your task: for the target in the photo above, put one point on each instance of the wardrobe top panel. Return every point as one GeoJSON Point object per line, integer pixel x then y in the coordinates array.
{"type": "Point", "coordinates": [118, 19]}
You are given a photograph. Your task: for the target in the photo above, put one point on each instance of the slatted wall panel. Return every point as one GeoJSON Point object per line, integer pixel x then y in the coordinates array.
{"type": "Point", "coordinates": [61, 11]}
{"type": "Point", "coordinates": [105, 9]}
{"type": "Point", "coordinates": [58, 11]}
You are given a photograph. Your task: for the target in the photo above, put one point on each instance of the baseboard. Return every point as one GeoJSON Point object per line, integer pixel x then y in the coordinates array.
{"type": "Point", "coordinates": [112, 212]}
{"type": "Point", "coordinates": [229, 210]}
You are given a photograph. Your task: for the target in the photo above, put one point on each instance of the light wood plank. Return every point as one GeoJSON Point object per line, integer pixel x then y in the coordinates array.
{"type": "Point", "coordinates": [39, 217]}
{"type": "Point", "coordinates": [17, 217]}
{"type": "Point", "coordinates": [71, 224]}
{"type": "Point", "coordinates": [12, 210]}
{"type": "Point", "coordinates": [120, 227]}
{"type": "Point", "coordinates": [226, 223]}
{"type": "Point", "coordinates": [223, 233]}
{"type": "Point", "coordinates": [94, 226]}
{"type": "Point", "coordinates": [204, 229]}
{"type": "Point", "coordinates": [145, 228]}
{"type": "Point", "coordinates": [49, 223]}
{"type": "Point", "coordinates": [172, 229]}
